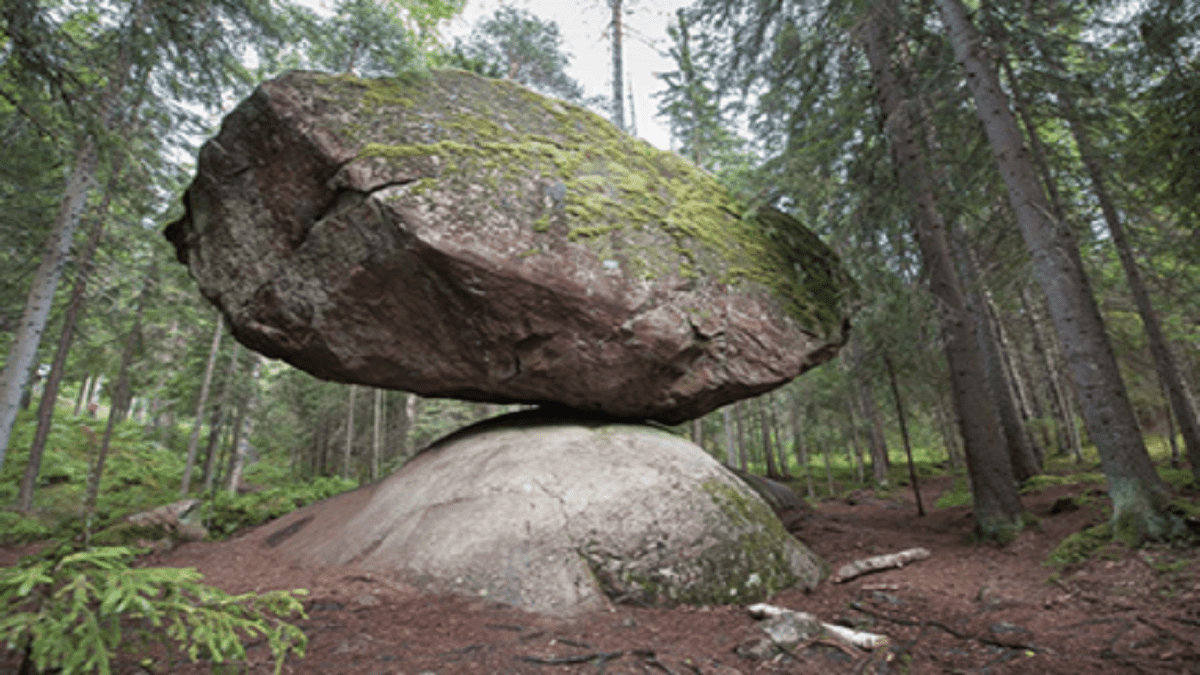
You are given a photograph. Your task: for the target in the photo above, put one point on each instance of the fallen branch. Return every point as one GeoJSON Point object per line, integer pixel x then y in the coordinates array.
{"type": "Point", "coordinates": [952, 631]}
{"type": "Point", "coordinates": [856, 638]}
{"type": "Point", "coordinates": [879, 562]}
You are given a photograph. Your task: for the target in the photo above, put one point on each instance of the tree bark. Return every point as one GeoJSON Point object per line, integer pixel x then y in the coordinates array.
{"type": "Point", "coordinates": [768, 449]}
{"type": "Point", "coordinates": [743, 460]}
{"type": "Point", "coordinates": [618, 90]}
{"type": "Point", "coordinates": [349, 433]}
{"type": "Point", "coordinates": [730, 445]}
{"type": "Point", "coordinates": [801, 447]}
{"type": "Point", "coordinates": [242, 426]}
{"type": "Point", "coordinates": [219, 413]}
{"type": "Point", "coordinates": [997, 504]}
{"type": "Point", "coordinates": [912, 469]}
{"type": "Point", "coordinates": [198, 420]}
{"type": "Point", "coordinates": [23, 352]}
{"type": "Point", "coordinates": [1139, 497]}
{"type": "Point", "coordinates": [131, 341]}
{"type": "Point", "coordinates": [1164, 361]}
{"type": "Point", "coordinates": [377, 436]}
{"type": "Point", "coordinates": [45, 413]}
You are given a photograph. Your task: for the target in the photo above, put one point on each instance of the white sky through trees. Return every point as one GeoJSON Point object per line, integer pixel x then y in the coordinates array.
{"type": "Point", "coordinates": [583, 25]}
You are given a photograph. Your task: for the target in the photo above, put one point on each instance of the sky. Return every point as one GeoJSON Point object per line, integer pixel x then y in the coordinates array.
{"type": "Point", "coordinates": [583, 25]}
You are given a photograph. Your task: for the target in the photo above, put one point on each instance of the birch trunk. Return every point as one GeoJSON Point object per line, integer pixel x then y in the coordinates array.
{"type": "Point", "coordinates": [1138, 496]}
{"type": "Point", "coordinates": [32, 324]}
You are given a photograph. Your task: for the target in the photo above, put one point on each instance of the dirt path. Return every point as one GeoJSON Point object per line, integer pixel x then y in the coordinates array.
{"type": "Point", "coordinates": [968, 608]}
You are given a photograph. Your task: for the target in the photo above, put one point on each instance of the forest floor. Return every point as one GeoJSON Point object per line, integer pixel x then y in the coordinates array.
{"type": "Point", "coordinates": [968, 608]}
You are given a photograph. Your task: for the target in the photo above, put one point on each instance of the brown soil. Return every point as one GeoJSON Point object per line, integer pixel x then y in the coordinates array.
{"type": "Point", "coordinates": [968, 608]}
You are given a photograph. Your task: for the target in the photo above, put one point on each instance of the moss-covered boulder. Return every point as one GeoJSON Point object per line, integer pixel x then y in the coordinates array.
{"type": "Point", "coordinates": [558, 515]}
{"type": "Point", "coordinates": [458, 236]}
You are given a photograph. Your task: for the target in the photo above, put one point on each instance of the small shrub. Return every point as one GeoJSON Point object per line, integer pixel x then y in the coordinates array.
{"type": "Point", "coordinates": [74, 611]}
{"type": "Point", "coordinates": [18, 529]}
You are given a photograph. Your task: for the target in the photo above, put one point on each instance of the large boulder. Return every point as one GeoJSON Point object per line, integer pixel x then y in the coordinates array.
{"type": "Point", "coordinates": [558, 516]}
{"type": "Point", "coordinates": [457, 236]}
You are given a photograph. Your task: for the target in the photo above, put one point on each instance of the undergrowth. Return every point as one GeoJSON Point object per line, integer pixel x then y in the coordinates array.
{"type": "Point", "coordinates": [74, 611]}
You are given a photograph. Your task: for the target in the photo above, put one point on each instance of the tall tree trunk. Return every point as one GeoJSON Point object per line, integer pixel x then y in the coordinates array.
{"type": "Point", "coordinates": [198, 420]}
{"type": "Point", "coordinates": [618, 90]}
{"type": "Point", "coordinates": [856, 434]}
{"type": "Point", "coordinates": [242, 426]}
{"type": "Point", "coordinates": [743, 460]}
{"type": "Point", "coordinates": [1139, 497]}
{"type": "Point", "coordinates": [780, 447]}
{"type": "Point", "coordinates": [377, 436]}
{"type": "Point", "coordinates": [1024, 463]}
{"type": "Point", "coordinates": [912, 469]}
{"type": "Point", "coordinates": [801, 446]}
{"type": "Point", "coordinates": [731, 453]}
{"type": "Point", "coordinates": [698, 431]}
{"type": "Point", "coordinates": [45, 413]}
{"type": "Point", "coordinates": [219, 413]}
{"type": "Point", "coordinates": [123, 384]}
{"type": "Point", "coordinates": [83, 393]}
{"type": "Point", "coordinates": [349, 433]}
{"type": "Point", "coordinates": [997, 504]}
{"type": "Point", "coordinates": [23, 352]}
{"type": "Point", "coordinates": [1164, 361]}
{"type": "Point", "coordinates": [1060, 406]}
{"type": "Point", "coordinates": [768, 449]}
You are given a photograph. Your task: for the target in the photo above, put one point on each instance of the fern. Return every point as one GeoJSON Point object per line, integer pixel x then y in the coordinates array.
{"type": "Point", "coordinates": [76, 611]}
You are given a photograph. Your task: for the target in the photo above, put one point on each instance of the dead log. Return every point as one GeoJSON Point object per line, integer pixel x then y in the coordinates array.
{"type": "Point", "coordinates": [878, 563]}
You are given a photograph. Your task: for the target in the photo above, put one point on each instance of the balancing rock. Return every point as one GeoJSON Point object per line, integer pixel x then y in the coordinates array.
{"type": "Point", "coordinates": [559, 515]}
{"type": "Point", "coordinates": [457, 236]}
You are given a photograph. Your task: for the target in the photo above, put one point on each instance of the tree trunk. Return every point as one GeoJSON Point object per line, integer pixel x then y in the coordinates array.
{"type": "Point", "coordinates": [1164, 361]}
{"type": "Point", "coordinates": [349, 433]}
{"type": "Point", "coordinates": [1060, 408]}
{"type": "Point", "coordinates": [856, 434]}
{"type": "Point", "coordinates": [1024, 464]}
{"type": "Point", "coordinates": [768, 449]}
{"type": "Point", "coordinates": [912, 469]}
{"type": "Point", "coordinates": [743, 460]}
{"type": "Point", "coordinates": [997, 507]}
{"type": "Point", "coordinates": [23, 351]}
{"type": "Point", "coordinates": [45, 413]}
{"type": "Point", "coordinates": [780, 447]}
{"type": "Point", "coordinates": [198, 420]}
{"type": "Point", "coordinates": [219, 413]}
{"type": "Point", "coordinates": [377, 436]}
{"type": "Point", "coordinates": [731, 454]}
{"type": "Point", "coordinates": [83, 393]}
{"type": "Point", "coordinates": [997, 504]}
{"type": "Point", "coordinates": [801, 447]}
{"type": "Point", "coordinates": [1139, 497]}
{"type": "Point", "coordinates": [131, 341]}
{"type": "Point", "coordinates": [698, 431]}
{"type": "Point", "coordinates": [618, 90]}
{"type": "Point", "coordinates": [242, 426]}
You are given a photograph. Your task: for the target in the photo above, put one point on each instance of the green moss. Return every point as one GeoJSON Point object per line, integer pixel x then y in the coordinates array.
{"type": "Point", "coordinates": [678, 220]}
{"type": "Point", "coordinates": [1080, 546]}
{"type": "Point", "coordinates": [1045, 480]}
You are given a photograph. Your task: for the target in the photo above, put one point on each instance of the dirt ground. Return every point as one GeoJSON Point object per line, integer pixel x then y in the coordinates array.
{"type": "Point", "coordinates": [968, 608]}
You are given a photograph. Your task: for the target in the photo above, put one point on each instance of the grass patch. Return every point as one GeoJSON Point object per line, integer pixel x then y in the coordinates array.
{"type": "Point", "coordinates": [958, 495]}
{"type": "Point", "coordinates": [1081, 546]}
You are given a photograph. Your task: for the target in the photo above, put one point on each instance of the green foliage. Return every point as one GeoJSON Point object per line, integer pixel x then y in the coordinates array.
{"type": "Point", "coordinates": [1045, 480]}
{"type": "Point", "coordinates": [1080, 546]}
{"type": "Point", "coordinates": [76, 611]}
{"type": "Point", "coordinates": [232, 513]}
{"type": "Point", "coordinates": [20, 529]}
{"type": "Point", "coordinates": [958, 495]}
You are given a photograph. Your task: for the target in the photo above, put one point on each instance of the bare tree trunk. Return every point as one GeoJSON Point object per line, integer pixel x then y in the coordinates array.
{"type": "Point", "coordinates": [780, 447]}
{"type": "Point", "coordinates": [131, 342]}
{"type": "Point", "coordinates": [349, 433]}
{"type": "Point", "coordinates": [242, 426]}
{"type": "Point", "coordinates": [219, 413]}
{"type": "Point", "coordinates": [1060, 406]}
{"type": "Point", "coordinates": [698, 431]}
{"type": "Point", "coordinates": [198, 421]}
{"type": "Point", "coordinates": [856, 437]}
{"type": "Point", "coordinates": [377, 436]}
{"type": "Point", "coordinates": [618, 90]}
{"type": "Point", "coordinates": [912, 469]}
{"type": "Point", "coordinates": [23, 351]}
{"type": "Point", "coordinates": [768, 450]}
{"type": "Point", "coordinates": [83, 393]}
{"type": "Point", "coordinates": [997, 504]}
{"type": "Point", "coordinates": [743, 460]}
{"type": "Point", "coordinates": [731, 453]}
{"type": "Point", "coordinates": [801, 447]}
{"type": "Point", "coordinates": [1139, 497]}
{"type": "Point", "coordinates": [45, 413]}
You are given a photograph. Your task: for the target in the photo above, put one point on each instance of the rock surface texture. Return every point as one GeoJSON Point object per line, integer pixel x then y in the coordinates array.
{"type": "Point", "coordinates": [560, 517]}
{"type": "Point", "coordinates": [456, 236]}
